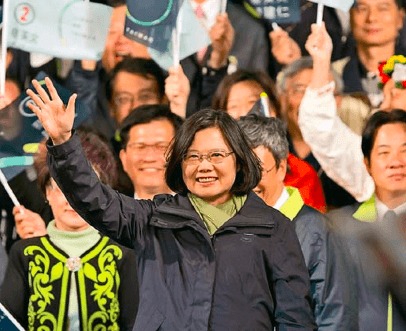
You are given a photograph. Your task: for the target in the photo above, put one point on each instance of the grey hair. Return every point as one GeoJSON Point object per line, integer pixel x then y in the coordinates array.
{"type": "Point", "coordinates": [306, 62]}
{"type": "Point", "coordinates": [269, 132]}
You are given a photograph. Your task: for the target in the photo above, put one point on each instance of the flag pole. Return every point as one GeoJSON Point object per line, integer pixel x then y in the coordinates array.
{"type": "Point", "coordinates": [4, 32]}
{"type": "Point", "coordinates": [8, 189]}
{"type": "Point", "coordinates": [223, 6]}
{"type": "Point", "coordinates": [320, 8]}
{"type": "Point", "coordinates": [264, 103]}
{"type": "Point", "coordinates": [176, 32]}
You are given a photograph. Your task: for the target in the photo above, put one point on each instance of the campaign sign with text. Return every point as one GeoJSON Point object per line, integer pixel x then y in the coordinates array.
{"type": "Point", "coordinates": [278, 11]}
{"type": "Point", "coordinates": [60, 28]}
{"type": "Point", "coordinates": [151, 22]}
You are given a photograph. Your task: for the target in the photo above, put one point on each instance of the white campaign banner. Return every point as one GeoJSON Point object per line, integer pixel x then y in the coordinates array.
{"type": "Point", "coordinates": [60, 28]}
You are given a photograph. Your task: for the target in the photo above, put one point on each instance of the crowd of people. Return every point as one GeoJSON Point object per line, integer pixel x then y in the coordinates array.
{"type": "Point", "coordinates": [260, 184]}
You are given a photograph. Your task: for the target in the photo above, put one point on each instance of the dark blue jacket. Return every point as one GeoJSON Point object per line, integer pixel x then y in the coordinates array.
{"type": "Point", "coordinates": [333, 288]}
{"type": "Point", "coordinates": [250, 275]}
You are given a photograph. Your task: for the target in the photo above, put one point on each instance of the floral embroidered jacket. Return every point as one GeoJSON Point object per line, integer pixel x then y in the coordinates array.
{"type": "Point", "coordinates": [37, 284]}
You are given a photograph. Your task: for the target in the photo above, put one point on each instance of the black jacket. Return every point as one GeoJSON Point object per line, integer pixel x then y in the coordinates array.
{"type": "Point", "coordinates": [249, 276]}
{"type": "Point", "coordinates": [37, 285]}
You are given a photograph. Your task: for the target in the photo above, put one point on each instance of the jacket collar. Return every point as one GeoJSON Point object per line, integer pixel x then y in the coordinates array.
{"type": "Point", "coordinates": [177, 212]}
{"type": "Point", "coordinates": [366, 212]}
{"type": "Point", "coordinates": [293, 205]}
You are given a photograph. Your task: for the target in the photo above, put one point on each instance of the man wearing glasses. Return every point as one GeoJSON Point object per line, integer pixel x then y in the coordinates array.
{"type": "Point", "coordinates": [145, 135]}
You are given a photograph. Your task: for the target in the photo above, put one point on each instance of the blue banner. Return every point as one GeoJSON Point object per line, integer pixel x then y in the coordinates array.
{"type": "Point", "coordinates": [151, 22]}
{"type": "Point", "coordinates": [278, 11]}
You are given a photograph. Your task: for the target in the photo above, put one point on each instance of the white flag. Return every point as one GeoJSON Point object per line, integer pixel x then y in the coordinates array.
{"type": "Point", "coordinates": [193, 36]}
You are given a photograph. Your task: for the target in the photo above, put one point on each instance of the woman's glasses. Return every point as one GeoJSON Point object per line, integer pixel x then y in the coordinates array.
{"type": "Point", "coordinates": [215, 157]}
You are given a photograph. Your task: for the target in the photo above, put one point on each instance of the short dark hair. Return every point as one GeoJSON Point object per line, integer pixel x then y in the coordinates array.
{"type": "Point", "coordinates": [146, 114]}
{"type": "Point", "coordinates": [374, 123]}
{"type": "Point", "coordinates": [146, 68]}
{"type": "Point", "coordinates": [248, 165]}
{"type": "Point", "coordinates": [97, 151]}
{"type": "Point", "coordinates": [269, 132]}
{"type": "Point", "coordinates": [220, 97]}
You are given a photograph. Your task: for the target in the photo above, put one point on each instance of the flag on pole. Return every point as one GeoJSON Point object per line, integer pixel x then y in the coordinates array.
{"type": "Point", "coordinates": [260, 107]}
{"type": "Point", "coordinates": [151, 22]}
{"type": "Point", "coordinates": [20, 127]}
{"type": "Point", "coordinates": [60, 28]}
{"type": "Point", "coordinates": [192, 37]}
{"type": "Point", "coordinates": [344, 5]}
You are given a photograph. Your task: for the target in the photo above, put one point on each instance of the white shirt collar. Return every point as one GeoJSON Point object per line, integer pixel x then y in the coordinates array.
{"type": "Point", "coordinates": [282, 199]}
{"type": "Point", "coordinates": [381, 208]}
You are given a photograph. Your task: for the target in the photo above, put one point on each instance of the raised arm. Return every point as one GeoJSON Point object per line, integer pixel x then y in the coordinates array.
{"type": "Point", "coordinates": [222, 38]}
{"type": "Point", "coordinates": [335, 146]}
{"type": "Point", "coordinates": [113, 214]}
{"type": "Point", "coordinates": [284, 49]}
{"type": "Point", "coordinates": [177, 90]}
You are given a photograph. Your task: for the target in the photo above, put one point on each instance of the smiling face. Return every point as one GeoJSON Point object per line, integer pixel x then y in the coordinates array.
{"type": "Point", "coordinates": [66, 218]}
{"type": "Point", "coordinates": [387, 164]}
{"type": "Point", "coordinates": [143, 158]}
{"type": "Point", "coordinates": [117, 45]}
{"type": "Point", "coordinates": [210, 182]}
{"type": "Point", "coordinates": [376, 22]}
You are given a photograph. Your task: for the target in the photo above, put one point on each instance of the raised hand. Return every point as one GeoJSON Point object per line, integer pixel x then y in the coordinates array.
{"type": "Point", "coordinates": [222, 39]}
{"type": "Point", "coordinates": [284, 49]}
{"type": "Point", "coordinates": [319, 44]}
{"type": "Point", "coordinates": [177, 90]}
{"type": "Point", "coordinates": [28, 224]}
{"type": "Point", "coordinates": [320, 47]}
{"type": "Point", "coordinates": [56, 118]}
